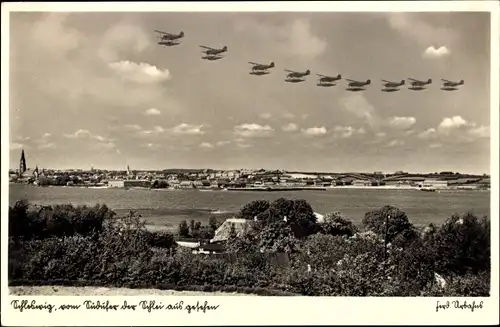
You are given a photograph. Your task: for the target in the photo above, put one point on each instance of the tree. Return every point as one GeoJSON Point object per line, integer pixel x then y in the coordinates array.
{"type": "Point", "coordinates": [337, 224]}
{"type": "Point", "coordinates": [213, 224]}
{"type": "Point", "coordinates": [278, 237]}
{"type": "Point", "coordinates": [462, 244]}
{"type": "Point", "coordinates": [183, 229]}
{"type": "Point", "coordinates": [299, 216]}
{"type": "Point", "coordinates": [254, 209]}
{"type": "Point", "coordinates": [398, 224]}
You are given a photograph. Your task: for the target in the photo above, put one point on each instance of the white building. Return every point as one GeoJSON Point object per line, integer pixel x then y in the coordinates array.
{"type": "Point", "coordinates": [434, 183]}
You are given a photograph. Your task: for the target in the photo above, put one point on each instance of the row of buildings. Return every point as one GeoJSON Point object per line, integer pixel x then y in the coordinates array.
{"type": "Point", "coordinates": [244, 178]}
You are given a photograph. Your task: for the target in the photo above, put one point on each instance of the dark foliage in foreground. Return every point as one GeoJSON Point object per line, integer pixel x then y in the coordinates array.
{"type": "Point", "coordinates": [333, 258]}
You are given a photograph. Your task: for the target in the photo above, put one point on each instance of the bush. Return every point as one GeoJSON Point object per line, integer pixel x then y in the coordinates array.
{"type": "Point", "coordinates": [183, 229]}
{"type": "Point", "coordinates": [254, 209]}
{"type": "Point", "coordinates": [337, 224]}
{"type": "Point", "coordinates": [336, 261]}
{"type": "Point", "coordinates": [299, 215]}
{"type": "Point", "coordinates": [28, 222]}
{"type": "Point", "coordinates": [399, 227]}
{"type": "Point", "coordinates": [462, 244]}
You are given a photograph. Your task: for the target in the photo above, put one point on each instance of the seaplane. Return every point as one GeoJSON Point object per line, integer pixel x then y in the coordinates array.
{"type": "Point", "coordinates": [261, 69]}
{"type": "Point", "coordinates": [213, 53]}
{"type": "Point", "coordinates": [296, 77]}
{"type": "Point", "coordinates": [450, 85]}
{"type": "Point", "coordinates": [328, 80]}
{"type": "Point", "coordinates": [392, 86]}
{"type": "Point", "coordinates": [169, 39]}
{"type": "Point", "coordinates": [356, 86]}
{"type": "Point", "coordinates": [417, 85]}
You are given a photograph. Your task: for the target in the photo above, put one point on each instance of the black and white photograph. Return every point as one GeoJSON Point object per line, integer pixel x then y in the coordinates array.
{"type": "Point", "coordinates": [250, 154]}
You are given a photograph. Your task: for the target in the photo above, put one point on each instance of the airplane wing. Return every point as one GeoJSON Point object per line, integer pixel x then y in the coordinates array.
{"type": "Point", "coordinates": [386, 81]}
{"type": "Point", "coordinates": [255, 64]}
{"type": "Point", "coordinates": [208, 48]}
{"type": "Point", "coordinates": [162, 32]}
{"type": "Point", "coordinates": [351, 80]}
{"type": "Point", "coordinates": [415, 80]}
{"type": "Point", "coordinates": [290, 71]}
{"type": "Point", "coordinates": [321, 75]}
{"type": "Point", "coordinates": [445, 80]}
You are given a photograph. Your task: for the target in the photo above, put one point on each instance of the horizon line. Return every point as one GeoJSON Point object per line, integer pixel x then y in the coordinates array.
{"type": "Point", "coordinates": [270, 169]}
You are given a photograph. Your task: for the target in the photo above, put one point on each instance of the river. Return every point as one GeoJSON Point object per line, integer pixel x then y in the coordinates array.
{"type": "Point", "coordinates": [166, 208]}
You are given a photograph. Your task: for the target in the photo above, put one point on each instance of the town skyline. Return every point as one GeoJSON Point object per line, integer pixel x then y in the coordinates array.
{"type": "Point", "coordinates": [107, 95]}
{"type": "Point", "coordinates": [194, 168]}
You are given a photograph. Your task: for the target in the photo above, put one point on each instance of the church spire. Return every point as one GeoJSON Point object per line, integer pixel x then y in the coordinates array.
{"type": "Point", "coordinates": [22, 163]}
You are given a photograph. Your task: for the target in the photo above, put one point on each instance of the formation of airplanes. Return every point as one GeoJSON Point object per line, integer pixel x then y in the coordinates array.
{"type": "Point", "coordinates": [259, 69]}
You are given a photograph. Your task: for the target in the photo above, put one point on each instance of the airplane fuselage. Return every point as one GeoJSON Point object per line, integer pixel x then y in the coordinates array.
{"type": "Point", "coordinates": [393, 84]}
{"type": "Point", "coordinates": [328, 79]}
{"type": "Point", "coordinates": [171, 37]}
{"type": "Point", "coordinates": [296, 75]}
{"type": "Point", "coordinates": [214, 51]}
{"type": "Point", "coordinates": [419, 83]}
{"type": "Point", "coordinates": [451, 84]}
{"type": "Point", "coordinates": [261, 67]}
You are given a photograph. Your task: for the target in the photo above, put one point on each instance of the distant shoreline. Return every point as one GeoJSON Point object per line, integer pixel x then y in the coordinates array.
{"type": "Point", "coordinates": [275, 189]}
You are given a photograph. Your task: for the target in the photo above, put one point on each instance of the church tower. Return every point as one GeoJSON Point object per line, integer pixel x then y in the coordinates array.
{"type": "Point", "coordinates": [22, 163]}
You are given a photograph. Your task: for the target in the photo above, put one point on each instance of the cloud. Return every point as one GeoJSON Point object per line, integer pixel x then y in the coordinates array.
{"type": "Point", "coordinates": [380, 134]}
{"type": "Point", "coordinates": [315, 131]}
{"type": "Point", "coordinates": [395, 143]}
{"type": "Point", "coordinates": [188, 129]}
{"type": "Point", "coordinates": [347, 131]}
{"type": "Point", "coordinates": [78, 134]}
{"type": "Point", "coordinates": [290, 127]}
{"type": "Point", "coordinates": [104, 146]}
{"type": "Point", "coordinates": [479, 132]}
{"type": "Point", "coordinates": [412, 25]}
{"type": "Point", "coordinates": [133, 127]}
{"type": "Point", "coordinates": [47, 146]}
{"type": "Point", "coordinates": [253, 130]}
{"type": "Point", "coordinates": [221, 143]}
{"type": "Point", "coordinates": [302, 42]}
{"type": "Point", "coordinates": [456, 129]}
{"type": "Point", "coordinates": [45, 135]}
{"type": "Point", "coordinates": [155, 130]}
{"type": "Point", "coordinates": [265, 115]}
{"type": "Point", "coordinates": [58, 38]}
{"type": "Point", "coordinates": [244, 145]}
{"type": "Point", "coordinates": [120, 38]}
{"type": "Point", "coordinates": [448, 124]}
{"type": "Point", "coordinates": [427, 134]}
{"type": "Point", "coordinates": [151, 145]}
{"type": "Point", "coordinates": [432, 52]}
{"type": "Point", "coordinates": [139, 73]}
{"type": "Point", "coordinates": [293, 39]}
{"type": "Point", "coordinates": [152, 112]}
{"type": "Point", "coordinates": [435, 145]}
{"type": "Point", "coordinates": [84, 133]}
{"type": "Point", "coordinates": [402, 122]}
{"type": "Point", "coordinates": [360, 107]}
{"type": "Point", "coordinates": [16, 146]}
{"type": "Point", "coordinates": [289, 115]}
{"type": "Point", "coordinates": [206, 145]}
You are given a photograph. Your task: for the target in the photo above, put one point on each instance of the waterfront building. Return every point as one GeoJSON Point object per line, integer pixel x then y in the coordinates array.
{"type": "Point", "coordinates": [116, 183]}
{"type": "Point", "coordinates": [434, 183]}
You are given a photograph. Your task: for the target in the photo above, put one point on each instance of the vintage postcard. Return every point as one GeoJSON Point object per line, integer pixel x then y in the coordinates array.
{"type": "Point", "coordinates": [250, 163]}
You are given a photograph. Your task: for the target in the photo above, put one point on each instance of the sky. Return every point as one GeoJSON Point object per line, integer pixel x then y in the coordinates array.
{"type": "Point", "coordinates": [95, 89]}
